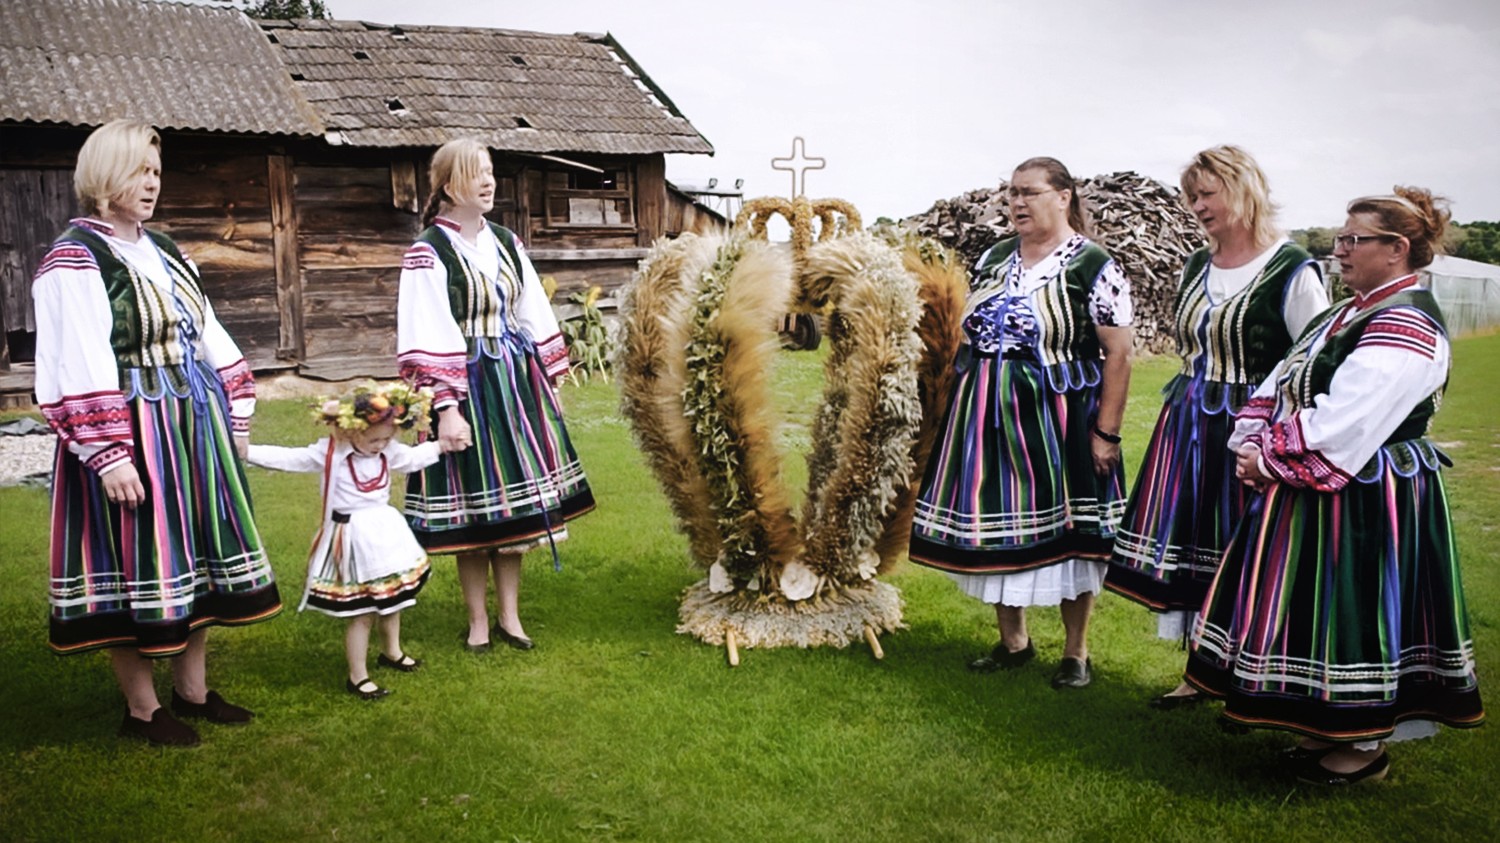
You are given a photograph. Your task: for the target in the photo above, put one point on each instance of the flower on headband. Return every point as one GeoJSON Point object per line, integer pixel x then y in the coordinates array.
{"type": "Point", "coordinates": [373, 404]}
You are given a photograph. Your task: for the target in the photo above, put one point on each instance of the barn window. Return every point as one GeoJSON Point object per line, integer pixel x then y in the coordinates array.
{"type": "Point", "coordinates": [361, 55]}
{"type": "Point", "coordinates": [518, 60]}
{"type": "Point", "coordinates": [521, 122]}
{"type": "Point", "coordinates": [575, 197]}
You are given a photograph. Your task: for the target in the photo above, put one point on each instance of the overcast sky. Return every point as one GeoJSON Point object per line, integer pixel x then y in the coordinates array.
{"type": "Point", "coordinates": [911, 101]}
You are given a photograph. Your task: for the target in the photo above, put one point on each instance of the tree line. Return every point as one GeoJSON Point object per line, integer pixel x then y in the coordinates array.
{"type": "Point", "coordinates": [1477, 241]}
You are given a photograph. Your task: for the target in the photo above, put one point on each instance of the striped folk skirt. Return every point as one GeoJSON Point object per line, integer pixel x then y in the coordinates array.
{"type": "Point", "coordinates": [188, 557]}
{"type": "Point", "coordinates": [368, 562]}
{"type": "Point", "coordinates": [520, 480]}
{"type": "Point", "coordinates": [1011, 486]}
{"type": "Point", "coordinates": [1185, 505]}
{"type": "Point", "coordinates": [1338, 615]}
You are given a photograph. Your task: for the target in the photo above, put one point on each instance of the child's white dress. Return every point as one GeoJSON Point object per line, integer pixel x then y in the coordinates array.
{"type": "Point", "coordinates": [364, 558]}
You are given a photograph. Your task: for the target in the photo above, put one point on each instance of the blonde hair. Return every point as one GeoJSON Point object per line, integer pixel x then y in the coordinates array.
{"type": "Point", "coordinates": [457, 160]}
{"type": "Point", "coordinates": [1246, 192]}
{"type": "Point", "coordinates": [111, 156]}
{"type": "Point", "coordinates": [1413, 213]}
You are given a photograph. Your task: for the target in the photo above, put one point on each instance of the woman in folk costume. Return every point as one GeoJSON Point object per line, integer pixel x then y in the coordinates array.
{"type": "Point", "coordinates": [473, 324]}
{"type": "Point", "coordinates": [1020, 500]}
{"type": "Point", "coordinates": [153, 540]}
{"type": "Point", "coordinates": [365, 563]}
{"type": "Point", "coordinates": [1240, 304]}
{"type": "Point", "coordinates": [1338, 612]}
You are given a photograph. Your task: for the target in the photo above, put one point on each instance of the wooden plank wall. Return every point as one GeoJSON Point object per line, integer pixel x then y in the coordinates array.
{"type": "Point", "coordinates": [216, 204]}
{"type": "Point", "coordinates": [35, 205]}
{"type": "Point", "coordinates": [351, 237]}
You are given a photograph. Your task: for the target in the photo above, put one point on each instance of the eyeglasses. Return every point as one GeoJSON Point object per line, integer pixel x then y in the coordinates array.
{"type": "Point", "coordinates": [1349, 241]}
{"type": "Point", "coordinates": [1013, 194]}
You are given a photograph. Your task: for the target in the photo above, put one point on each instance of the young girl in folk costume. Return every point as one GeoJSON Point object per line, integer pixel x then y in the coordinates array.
{"type": "Point", "coordinates": [152, 535]}
{"type": "Point", "coordinates": [474, 324]}
{"type": "Point", "coordinates": [365, 562]}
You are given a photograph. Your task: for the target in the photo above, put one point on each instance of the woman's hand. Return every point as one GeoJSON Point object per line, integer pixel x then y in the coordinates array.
{"type": "Point", "coordinates": [123, 486]}
{"type": "Point", "coordinates": [1106, 455]}
{"type": "Point", "coordinates": [1247, 467]}
{"type": "Point", "coordinates": [242, 445]}
{"type": "Point", "coordinates": [453, 431]}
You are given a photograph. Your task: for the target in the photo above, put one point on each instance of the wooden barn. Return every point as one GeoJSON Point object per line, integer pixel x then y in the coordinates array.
{"type": "Point", "coordinates": [295, 154]}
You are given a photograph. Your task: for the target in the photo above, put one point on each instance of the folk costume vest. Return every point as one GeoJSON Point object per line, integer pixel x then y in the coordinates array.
{"type": "Point", "coordinates": [154, 331]}
{"type": "Point", "coordinates": [1249, 335]}
{"type": "Point", "coordinates": [1307, 375]}
{"type": "Point", "coordinates": [481, 306]}
{"type": "Point", "coordinates": [1068, 347]}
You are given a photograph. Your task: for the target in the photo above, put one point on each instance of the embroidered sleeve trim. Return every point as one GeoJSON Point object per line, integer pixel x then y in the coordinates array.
{"type": "Point", "coordinates": [420, 256]}
{"type": "Point", "coordinates": [67, 256]}
{"type": "Point", "coordinates": [1284, 450]}
{"type": "Point", "coordinates": [554, 353]}
{"type": "Point", "coordinates": [239, 381]}
{"type": "Point", "coordinates": [446, 374]}
{"type": "Point", "coordinates": [1261, 408]}
{"type": "Point", "coordinates": [109, 457]}
{"type": "Point", "coordinates": [1404, 329]}
{"type": "Point", "coordinates": [95, 418]}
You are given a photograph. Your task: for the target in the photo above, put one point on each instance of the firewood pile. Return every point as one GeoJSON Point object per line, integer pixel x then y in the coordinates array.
{"type": "Point", "coordinates": [1141, 221]}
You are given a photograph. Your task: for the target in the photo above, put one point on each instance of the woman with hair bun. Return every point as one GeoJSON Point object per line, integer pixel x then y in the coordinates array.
{"type": "Point", "coordinates": [1240, 304]}
{"type": "Point", "coordinates": [473, 324]}
{"type": "Point", "coordinates": [1338, 613]}
{"type": "Point", "coordinates": [1020, 502]}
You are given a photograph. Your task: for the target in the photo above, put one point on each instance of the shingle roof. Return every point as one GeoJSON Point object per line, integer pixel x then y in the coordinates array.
{"type": "Point", "coordinates": [85, 62]}
{"type": "Point", "coordinates": [378, 85]}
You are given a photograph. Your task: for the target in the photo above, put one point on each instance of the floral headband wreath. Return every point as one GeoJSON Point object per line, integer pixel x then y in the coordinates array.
{"type": "Point", "coordinates": [374, 404]}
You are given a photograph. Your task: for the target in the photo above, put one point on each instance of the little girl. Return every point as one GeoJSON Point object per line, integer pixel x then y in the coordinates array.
{"type": "Point", "coordinates": [365, 561]}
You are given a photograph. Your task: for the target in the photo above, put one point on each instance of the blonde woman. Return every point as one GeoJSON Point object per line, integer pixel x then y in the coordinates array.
{"type": "Point", "coordinates": [1338, 613]}
{"type": "Point", "coordinates": [474, 325]}
{"type": "Point", "coordinates": [1240, 304]}
{"type": "Point", "coordinates": [152, 535]}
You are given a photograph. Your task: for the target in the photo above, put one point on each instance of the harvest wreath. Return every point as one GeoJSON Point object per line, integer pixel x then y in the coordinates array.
{"type": "Point", "coordinates": [698, 340]}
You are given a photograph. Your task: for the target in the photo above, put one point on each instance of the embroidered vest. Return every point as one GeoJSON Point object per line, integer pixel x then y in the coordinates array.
{"type": "Point", "coordinates": [1062, 307]}
{"type": "Point", "coordinates": [481, 309]}
{"type": "Point", "coordinates": [1308, 376]}
{"type": "Point", "coordinates": [151, 326]}
{"type": "Point", "coordinates": [1238, 341]}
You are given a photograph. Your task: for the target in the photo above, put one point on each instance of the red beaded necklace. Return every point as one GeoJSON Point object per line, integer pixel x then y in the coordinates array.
{"type": "Point", "coordinates": [375, 483]}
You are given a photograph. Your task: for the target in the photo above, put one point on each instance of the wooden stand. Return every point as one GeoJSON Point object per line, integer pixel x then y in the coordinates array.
{"type": "Point", "coordinates": [733, 648]}
{"type": "Point", "coordinates": [874, 641]}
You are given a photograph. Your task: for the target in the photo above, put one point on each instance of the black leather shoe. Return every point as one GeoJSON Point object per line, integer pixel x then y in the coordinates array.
{"type": "Point", "coordinates": [1002, 659]}
{"type": "Point", "coordinates": [519, 642]}
{"type": "Point", "coordinates": [1315, 773]}
{"type": "Point", "coordinates": [405, 664]}
{"type": "Point", "coordinates": [161, 730]}
{"type": "Point", "coordinates": [463, 638]}
{"type": "Point", "coordinates": [1073, 673]}
{"type": "Point", "coordinates": [214, 709]}
{"type": "Point", "coordinates": [1298, 754]}
{"type": "Point", "coordinates": [1171, 702]}
{"type": "Point", "coordinates": [366, 689]}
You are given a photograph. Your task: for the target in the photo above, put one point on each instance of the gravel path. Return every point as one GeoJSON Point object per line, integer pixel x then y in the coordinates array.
{"type": "Point", "coordinates": [28, 456]}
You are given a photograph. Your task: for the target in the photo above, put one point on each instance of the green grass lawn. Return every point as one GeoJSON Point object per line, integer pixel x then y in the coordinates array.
{"type": "Point", "coordinates": [616, 728]}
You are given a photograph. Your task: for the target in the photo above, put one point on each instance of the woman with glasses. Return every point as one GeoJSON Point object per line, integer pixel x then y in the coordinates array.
{"type": "Point", "coordinates": [1338, 613]}
{"type": "Point", "coordinates": [1240, 304]}
{"type": "Point", "coordinates": [1020, 501]}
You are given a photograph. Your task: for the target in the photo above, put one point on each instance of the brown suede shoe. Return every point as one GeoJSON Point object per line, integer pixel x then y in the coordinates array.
{"type": "Point", "coordinates": [161, 730]}
{"type": "Point", "coordinates": [214, 709]}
